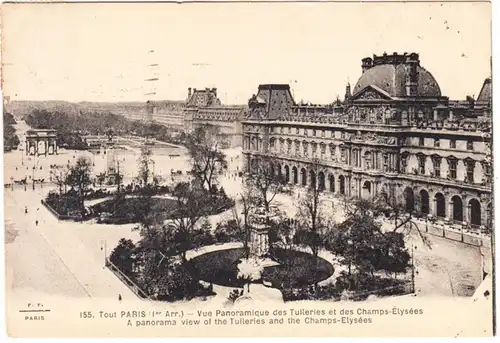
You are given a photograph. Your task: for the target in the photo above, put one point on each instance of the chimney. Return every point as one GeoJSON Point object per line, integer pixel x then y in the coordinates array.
{"type": "Point", "coordinates": [347, 92]}
{"type": "Point", "coordinates": [366, 63]}
{"type": "Point", "coordinates": [189, 92]}
{"type": "Point", "coordinates": [412, 62]}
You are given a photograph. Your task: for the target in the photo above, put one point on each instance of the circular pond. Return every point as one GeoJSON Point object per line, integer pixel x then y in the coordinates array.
{"type": "Point", "coordinates": [296, 269]}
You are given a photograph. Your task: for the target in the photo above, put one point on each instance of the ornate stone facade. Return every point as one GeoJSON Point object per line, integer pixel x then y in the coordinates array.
{"type": "Point", "coordinates": [45, 136]}
{"type": "Point", "coordinates": [395, 136]}
{"type": "Point", "coordinates": [203, 108]}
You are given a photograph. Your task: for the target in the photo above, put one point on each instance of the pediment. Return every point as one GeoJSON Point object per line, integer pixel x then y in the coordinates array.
{"type": "Point", "coordinates": [372, 93]}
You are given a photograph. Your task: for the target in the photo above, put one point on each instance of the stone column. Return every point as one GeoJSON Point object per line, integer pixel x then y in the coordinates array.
{"type": "Point", "coordinates": [46, 144]}
{"type": "Point", "coordinates": [450, 210]}
{"type": "Point", "coordinates": [435, 115]}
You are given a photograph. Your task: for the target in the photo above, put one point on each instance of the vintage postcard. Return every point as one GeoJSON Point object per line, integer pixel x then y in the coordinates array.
{"type": "Point", "coordinates": [248, 169]}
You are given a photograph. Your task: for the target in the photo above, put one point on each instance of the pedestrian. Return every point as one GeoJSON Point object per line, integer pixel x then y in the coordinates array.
{"type": "Point", "coordinates": [119, 297]}
{"type": "Point", "coordinates": [36, 222]}
{"type": "Point", "coordinates": [25, 209]}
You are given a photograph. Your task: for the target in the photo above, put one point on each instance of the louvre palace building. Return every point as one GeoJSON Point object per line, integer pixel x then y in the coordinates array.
{"type": "Point", "coordinates": [393, 135]}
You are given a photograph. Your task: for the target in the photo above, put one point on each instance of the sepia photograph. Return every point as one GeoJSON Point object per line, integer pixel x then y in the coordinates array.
{"type": "Point", "coordinates": [246, 169]}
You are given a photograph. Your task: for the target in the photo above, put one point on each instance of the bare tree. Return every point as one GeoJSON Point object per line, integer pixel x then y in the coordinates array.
{"type": "Point", "coordinates": [207, 159]}
{"type": "Point", "coordinates": [404, 219]}
{"type": "Point", "coordinates": [264, 183]}
{"type": "Point", "coordinates": [243, 218]}
{"type": "Point", "coordinates": [312, 221]}
{"type": "Point", "coordinates": [60, 179]}
{"type": "Point", "coordinates": [79, 178]}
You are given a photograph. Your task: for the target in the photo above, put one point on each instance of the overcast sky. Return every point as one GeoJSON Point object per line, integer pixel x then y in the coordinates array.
{"type": "Point", "coordinates": [100, 52]}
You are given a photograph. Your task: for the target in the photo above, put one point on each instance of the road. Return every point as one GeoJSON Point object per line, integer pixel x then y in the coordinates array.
{"type": "Point", "coordinates": [52, 257]}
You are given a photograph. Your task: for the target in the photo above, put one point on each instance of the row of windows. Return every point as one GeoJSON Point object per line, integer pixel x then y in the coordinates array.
{"type": "Point", "coordinates": [314, 132]}
{"type": "Point", "coordinates": [453, 143]}
{"type": "Point", "coordinates": [322, 133]}
{"type": "Point", "coordinates": [452, 168]}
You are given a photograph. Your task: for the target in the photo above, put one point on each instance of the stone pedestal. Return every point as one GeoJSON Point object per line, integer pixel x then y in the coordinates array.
{"type": "Point", "coordinates": [259, 240]}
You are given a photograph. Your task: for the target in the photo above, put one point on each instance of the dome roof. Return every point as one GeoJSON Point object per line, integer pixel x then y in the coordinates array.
{"type": "Point", "coordinates": [392, 79]}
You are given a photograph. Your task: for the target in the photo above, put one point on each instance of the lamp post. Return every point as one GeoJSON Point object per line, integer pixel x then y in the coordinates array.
{"type": "Point", "coordinates": [33, 177]}
{"type": "Point", "coordinates": [413, 248]}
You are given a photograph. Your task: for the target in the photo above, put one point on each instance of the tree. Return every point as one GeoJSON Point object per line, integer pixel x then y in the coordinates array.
{"type": "Point", "coordinates": [101, 178]}
{"type": "Point", "coordinates": [10, 139]}
{"type": "Point", "coordinates": [312, 222]}
{"type": "Point", "coordinates": [281, 234]}
{"type": "Point", "coordinates": [361, 243]}
{"type": "Point", "coordinates": [145, 161]}
{"type": "Point", "coordinates": [190, 208]}
{"type": "Point", "coordinates": [207, 160]}
{"type": "Point", "coordinates": [60, 177]}
{"type": "Point", "coordinates": [264, 184]}
{"type": "Point", "coordinates": [79, 178]}
{"type": "Point", "coordinates": [404, 220]}
{"type": "Point", "coordinates": [242, 223]}
{"type": "Point", "coordinates": [123, 256]}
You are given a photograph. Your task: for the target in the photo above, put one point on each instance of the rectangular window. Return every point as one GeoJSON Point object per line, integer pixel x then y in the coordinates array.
{"type": "Point", "coordinates": [470, 171]}
{"type": "Point", "coordinates": [452, 167]}
{"type": "Point", "coordinates": [436, 143]}
{"type": "Point", "coordinates": [470, 145]}
{"type": "Point", "coordinates": [297, 131]}
{"type": "Point", "coordinates": [342, 154]}
{"type": "Point", "coordinates": [421, 141]}
{"type": "Point", "coordinates": [453, 144]}
{"type": "Point", "coordinates": [332, 134]}
{"type": "Point", "coordinates": [421, 165]}
{"type": "Point", "coordinates": [305, 132]}
{"type": "Point", "coordinates": [332, 152]}
{"type": "Point", "coordinates": [322, 133]}
{"type": "Point", "coordinates": [437, 167]}
{"type": "Point", "coordinates": [314, 132]}
{"type": "Point", "coordinates": [404, 162]}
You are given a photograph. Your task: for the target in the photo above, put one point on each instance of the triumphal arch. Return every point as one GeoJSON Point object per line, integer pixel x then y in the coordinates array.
{"type": "Point", "coordinates": [48, 138]}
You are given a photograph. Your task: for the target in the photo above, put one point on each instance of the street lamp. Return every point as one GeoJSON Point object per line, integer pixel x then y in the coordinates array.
{"type": "Point", "coordinates": [413, 248]}
{"type": "Point", "coordinates": [33, 177]}
{"type": "Point", "coordinates": [351, 251]}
